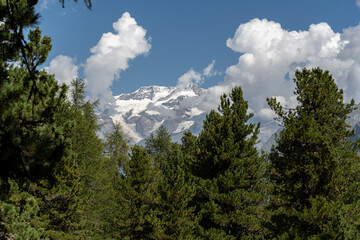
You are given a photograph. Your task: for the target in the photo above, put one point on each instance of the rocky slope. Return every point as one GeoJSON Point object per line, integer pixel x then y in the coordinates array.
{"type": "Point", "coordinates": [143, 111]}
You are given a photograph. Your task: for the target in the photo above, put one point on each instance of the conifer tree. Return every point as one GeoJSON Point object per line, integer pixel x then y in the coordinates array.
{"type": "Point", "coordinates": [230, 195]}
{"type": "Point", "coordinates": [117, 145]}
{"type": "Point", "coordinates": [116, 156]}
{"type": "Point", "coordinates": [138, 186]}
{"type": "Point", "coordinates": [178, 220]}
{"type": "Point", "coordinates": [159, 146]}
{"type": "Point", "coordinates": [190, 149]}
{"type": "Point", "coordinates": [29, 136]}
{"type": "Point", "coordinates": [34, 143]}
{"type": "Point", "coordinates": [314, 168]}
{"type": "Point", "coordinates": [16, 211]}
{"type": "Point", "coordinates": [176, 190]}
{"type": "Point", "coordinates": [99, 171]}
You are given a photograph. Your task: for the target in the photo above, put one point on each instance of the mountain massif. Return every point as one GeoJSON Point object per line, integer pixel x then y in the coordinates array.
{"type": "Point", "coordinates": [141, 113]}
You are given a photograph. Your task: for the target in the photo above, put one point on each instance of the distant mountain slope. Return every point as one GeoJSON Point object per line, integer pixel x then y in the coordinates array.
{"type": "Point", "coordinates": [143, 111]}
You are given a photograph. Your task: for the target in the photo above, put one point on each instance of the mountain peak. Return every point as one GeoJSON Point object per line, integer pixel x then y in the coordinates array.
{"type": "Point", "coordinates": [146, 109]}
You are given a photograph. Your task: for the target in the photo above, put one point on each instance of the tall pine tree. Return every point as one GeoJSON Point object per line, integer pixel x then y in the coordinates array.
{"type": "Point", "coordinates": [34, 143]}
{"type": "Point", "coordinates": [138, 186]}
{"type": "Point", "coordinates": [176, 189]}
{"type": "Point", "coordinates": [230, 195]}
{"type": "Point", "coordinates": [314, 168]}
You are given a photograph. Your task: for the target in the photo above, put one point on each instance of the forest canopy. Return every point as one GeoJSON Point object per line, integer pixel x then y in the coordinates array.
{"type": "Point", "coordinates": [60, 180]}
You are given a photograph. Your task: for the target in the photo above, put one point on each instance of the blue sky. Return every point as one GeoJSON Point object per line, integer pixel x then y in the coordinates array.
{"type": "Point", "coordinates": [180, 36]}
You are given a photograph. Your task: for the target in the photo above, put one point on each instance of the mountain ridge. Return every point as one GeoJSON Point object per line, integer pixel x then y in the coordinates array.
{"type": "Point", "coordinates": [141, 112]}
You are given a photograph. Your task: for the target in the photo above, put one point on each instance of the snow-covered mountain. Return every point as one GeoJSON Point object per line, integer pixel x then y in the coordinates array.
{"type": "Point", "coordinates": [143, 111]}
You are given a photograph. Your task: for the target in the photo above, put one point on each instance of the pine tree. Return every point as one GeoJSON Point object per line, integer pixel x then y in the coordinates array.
{"type": "Point", "coordinates": [29, 135]}
{"type": "Point", "coordinates": [159, 146]}
{"type": "Point", "coordinates": [33, 144]}
{"type": "Point", "coordinates": [176, 190]}
{"type": "Point", "coordinates": [34, 141]}
{"type": "Point", "coordinates": [88, 3]}
{"type": "Point", "coordinates": [231, 191]}
{"type": "Point", "coordinates": [16, 211]}
{"type": "Point", "coordinates": [138, 186]}
{"type": "Point", "coordinates": [190, 149]}
{"type": "Point", "coordinates": [97, 163]}
{"type": "Point", "coordinates": [178, 220]}
{"type": "Point", "coordinates": [117, 145]}
{"type": "Point", "coordinates": [116, 156]}
{"type": "Point", "coordinates": [314, 168]}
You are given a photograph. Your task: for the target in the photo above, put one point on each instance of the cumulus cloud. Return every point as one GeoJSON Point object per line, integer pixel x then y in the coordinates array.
{"type": "Point", "coordinates": [190, 77]}
{"type": "Point", "coordinates": [269, 56]}
{"type": "Point", "coordinates": [64, 69]}
{"type": "Point", "coordinates": [198, 78]}
{"type": "Point", "coordinates": [112, 54]}
{"type": "Point", "coordinates": [358, 3]}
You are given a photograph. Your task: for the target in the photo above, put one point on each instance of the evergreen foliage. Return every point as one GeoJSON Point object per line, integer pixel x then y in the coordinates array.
{"type": "Point", "coordinates": [60, 180]}
{"type": "Point", "coordinates": [15, 214]}
{"type": "Point", "coordinates": [159, 143]}
{"type": "Point", "coordinates": [314, 168]}
{"type": "Point", "coordinates": [159, 146]}
{"type": "Point", "coordinates": [29, 134]}
{"type": "Point", "coordinates": [178, 220]}
{"type": "Point", "coordinates": [231, 189]}
{"type": "Point", "coordinates": [176, 190]}
{"type": "Point", "coordinates": [138, 187]}
{"type": "Point", "coordinates": [117, 145]}
{"type": "Point", "coordinates": [116, 156]}
{"type": "Point", "coordinates": [35, 144]}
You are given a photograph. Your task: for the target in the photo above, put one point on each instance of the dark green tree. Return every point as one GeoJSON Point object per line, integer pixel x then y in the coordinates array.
{"type": "Point", "coordinates": [117, 145]}
{"type": "Point", "coordinates": [138, 186]}
{"type": "Point", "coordinates": [34, 140]}
{"type": "Point", "coordinates": [97, 165]}
{"type": "Point", "coordinates": [176, 189]}
{"type": "Point", "coordinates": [17, 211]}
{"type": "Point", "coordinates": [29, 136]}
{"type": "Point", "coordinates": [116, 156]}
{"type": "Point", "coordinates": [178, 220]}
{"type": "Point", "coordinates": [314, 168]}
{"type": "Point", "coordinates": [190, 150]}
{"type": "Point", "coordinates": [159, 146]}
{"type": "Point", "coordinates": [231, 189]}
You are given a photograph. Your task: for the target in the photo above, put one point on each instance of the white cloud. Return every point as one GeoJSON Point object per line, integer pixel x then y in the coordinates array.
{"type": "Point", "coordinates": [270, 55]}
{"type": "Point", "coordinates": [267, 114]}
{"type": "Point", "coordinates": [112, 54]}
{"type": "Point", "coordinates": [211, 98]}
{"type": "Point", "coordinates": [208, 71]}
{"type": "Point", "coordinates": [358, 3]}
{"type": "Point", "coordinates": [198, 78]}
{"type": "Point", "coordinates": [64, 69]}
{"type": "Point", "coordinates": [190, 77]}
